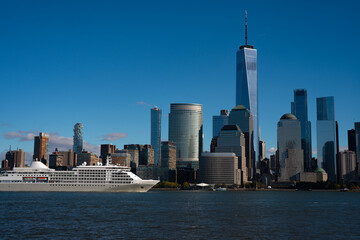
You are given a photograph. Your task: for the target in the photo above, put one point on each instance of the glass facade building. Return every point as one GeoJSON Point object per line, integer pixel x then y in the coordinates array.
{"type": "Point", "coordinates": [291, 156]}
{"type": "Point", "coordinates": [246, 87]}
{"type": "Point", "coordinates": [326, 136]}
{"type": "Point", "coordinates": [186, 130]}
{"type": "Point", "coordinates": [78, 138]}
{"type": "Point", "coordinates": [156, 134]}
{"type": "Point", "coordinates": [357, 141]}
{"type": "Point", "coordinates": [220, 121]}
{"type": "Point", "coordinates": [300, 110]}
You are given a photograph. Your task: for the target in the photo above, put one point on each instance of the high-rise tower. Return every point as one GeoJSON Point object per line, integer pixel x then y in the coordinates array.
{"type": "Point", "coordinates": [156, 134]}
{"type": "Point", "coordinates": [14, 159]}
{"type": "Point", "coordinates": [326, 136]}
{"type": "Point", "coordinates": [357, 142]}
{"type": "Point", "coordinates": [220, 121]}
{"type": "Point", "coordinates": [300, 110]}
{"type": "Point", "coordinates": [241, 116]}
{"type": "Point", "coordinates": [41, 148]}
{"type": "Point", "coordinates": [246, 84]}
{"type": "Point", "coordinates": [186, 131]}
{"type": "Point", "coordinates": [78, 139]}
{"type": "Point", "coordinates": [289, 147]}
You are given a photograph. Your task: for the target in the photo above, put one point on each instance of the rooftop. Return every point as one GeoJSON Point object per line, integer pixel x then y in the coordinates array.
{"type": "Point", "coordinates": [320, 170]}
{"type": "Point", "coordinates": [240, 107]}
{"type": "Point", "coordinates": [231, 128]}
{"type": "Point", "coordinates": [288, 116]}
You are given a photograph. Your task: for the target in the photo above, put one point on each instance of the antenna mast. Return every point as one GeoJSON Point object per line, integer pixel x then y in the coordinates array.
{"type": "Point", "coordinates": [246, 28]}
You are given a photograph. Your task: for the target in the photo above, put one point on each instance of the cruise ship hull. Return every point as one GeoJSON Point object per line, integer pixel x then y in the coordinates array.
{"type": "Point", "coordinates": [49, 187]}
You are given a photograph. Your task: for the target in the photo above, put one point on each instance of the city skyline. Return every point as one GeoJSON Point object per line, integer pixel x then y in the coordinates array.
{"type": "Point", "coordinates": [65, 65]}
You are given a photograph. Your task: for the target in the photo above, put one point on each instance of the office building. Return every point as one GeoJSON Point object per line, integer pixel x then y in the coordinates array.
{"type": "Point", "coordinates": [168, 155]}
{"type": "Point", "coordinates": [41, 148]}
{"type": "Point", "coordinates": [147, 155]}
{"type": "Point", "coordinates": [273, 163]}
{"type": "Point", "coordinates": [247, 87]}
{"type": "Point", "coordinates": [186, 131]}
{"type": "Point", "coordinates": [352, 140]}
{"type": "Point", "coordinates": [262, 153]}
{"type": "Point", "coordinates": [220, 121]}
{"type": "Point", "coordinates": [357, 140]}
{"type": "Point", "coordinates": [319, 175]}
{"type": "Point", "coordinates": [88, 158]}
{"type": "Point", "coordinates": [219, 168]}
{"type": "Point", "coordinates": [291, 158]}
{"type": "Point", "coordinates": [13, 158]}
{"type": "Point", "coordinates": [121, 158]}
{"type": "Point", "coordinates": [326, 136]}
{"type": "Point", "coordinates": [156, 134]}
{"type": "Point", "coordinates": [232, 140]}
{"type": "Point", "coordinates": [299, 108]}
{"type": "Point", "coordinates": [241, 116]}
{"type": "Point", "coordinates": [167, 171]}
{"type": "Point", "coordinates": [213, 144]}
{"type": "Point", "coordinates": [347, 166]}
{"type": "Point", "coordinates": [134, 157]}
{"type": "Point", "coordinates": [62, 160]}
{"type": "Point", "coordinates": [148, 172]}
{"type": "Point", "coordinates": [105, 151]}
{"type": "Point", "coordinates": [78, 138]}
{"type": "Point", "coordinates": [140, 154]}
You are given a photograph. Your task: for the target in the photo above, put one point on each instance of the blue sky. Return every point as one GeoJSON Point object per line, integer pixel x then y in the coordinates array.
{"type": "Point", "coordinates": [95, 62]}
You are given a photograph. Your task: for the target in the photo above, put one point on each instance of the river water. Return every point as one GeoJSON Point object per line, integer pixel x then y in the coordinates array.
{"type": "Point", "coordinates": [180, 215]}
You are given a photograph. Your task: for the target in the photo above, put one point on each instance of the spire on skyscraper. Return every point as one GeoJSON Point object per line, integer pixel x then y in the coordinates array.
{"type": "Point", "coordinates": [246, 37]}
{"type": "Point", "coordinates": [245, 27]}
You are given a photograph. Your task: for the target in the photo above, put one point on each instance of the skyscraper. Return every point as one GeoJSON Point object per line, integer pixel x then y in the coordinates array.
{"type": "Point", "coordinates": [140, 154]}
{"type": "Point", "coordinates": [352, 140]}
{"type": "Point", "coordinates": [105, 151]}
{"type": "Point", "coordinates": [156, 134]}
{"type": "Point", "coordinates": [14, 159]}
{"type": "Point", "coordinates": [262, 153]}
{"type": "Point", "coordinates": [347, 166]}
{"type": "Point", "coordinates": [88, 157]}
{"type": "Point", "coordinates": [300, 110]}
{"type": "Point", "coordinates": [41, 148]}
{"type": "Point", "coordinates": [326, 136]}
{"type": "Point", "coordinates": [78, 139]}
{"type": "Point", "coordinates": [186, 130]}
{"type": "Point", "coordinates": [242, 117]}
{"type": "Point", "coordinates": [357, 141]}
{"type": "Point", "coordinates": [291, 160]}
{"type": "Point", "coordinates": [220, 121]}
{"type": "Point", "coordinates": [62, 160]}
{"type": "Point", "coordinates": [219, 168]}
{"type": "Point", "coordinates": [246, 84]}
{"type": "Point", "coordinates": [168, 155]}
{"type": "Point", "coordinates": [232, 140]}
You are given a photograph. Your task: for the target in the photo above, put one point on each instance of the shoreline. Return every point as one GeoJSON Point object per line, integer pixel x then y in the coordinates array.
{"type": "Point", "coordinates": [261, 189]}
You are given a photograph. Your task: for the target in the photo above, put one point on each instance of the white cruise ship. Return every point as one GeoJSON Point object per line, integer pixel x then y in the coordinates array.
{"type": "Point", "coordinates": [109, 178]}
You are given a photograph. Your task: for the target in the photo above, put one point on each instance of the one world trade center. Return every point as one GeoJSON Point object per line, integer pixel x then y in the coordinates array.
{"type": "Point", "coordinates": [246, 86]}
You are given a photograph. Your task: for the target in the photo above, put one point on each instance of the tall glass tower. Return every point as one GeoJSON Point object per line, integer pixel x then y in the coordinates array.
{"type": "Point", "coordinates": [220, 121]}
{"type": "Point", "coordinates": [300, 110]}
{"type": "Point", "coordinates": [326, 136]}
{"type": "Point", "coordinates": [186, 130]}
{"type": "Point", "coordinates": [291, 156]}
{"type": "Point", "coordinates": [78, 139]}
{"type": "Point", "coordinates": [357, 141]}
{"type": "Point", "coordinates": [156, 134]}
{"type": "Point", "coordinates": [246, 85]}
